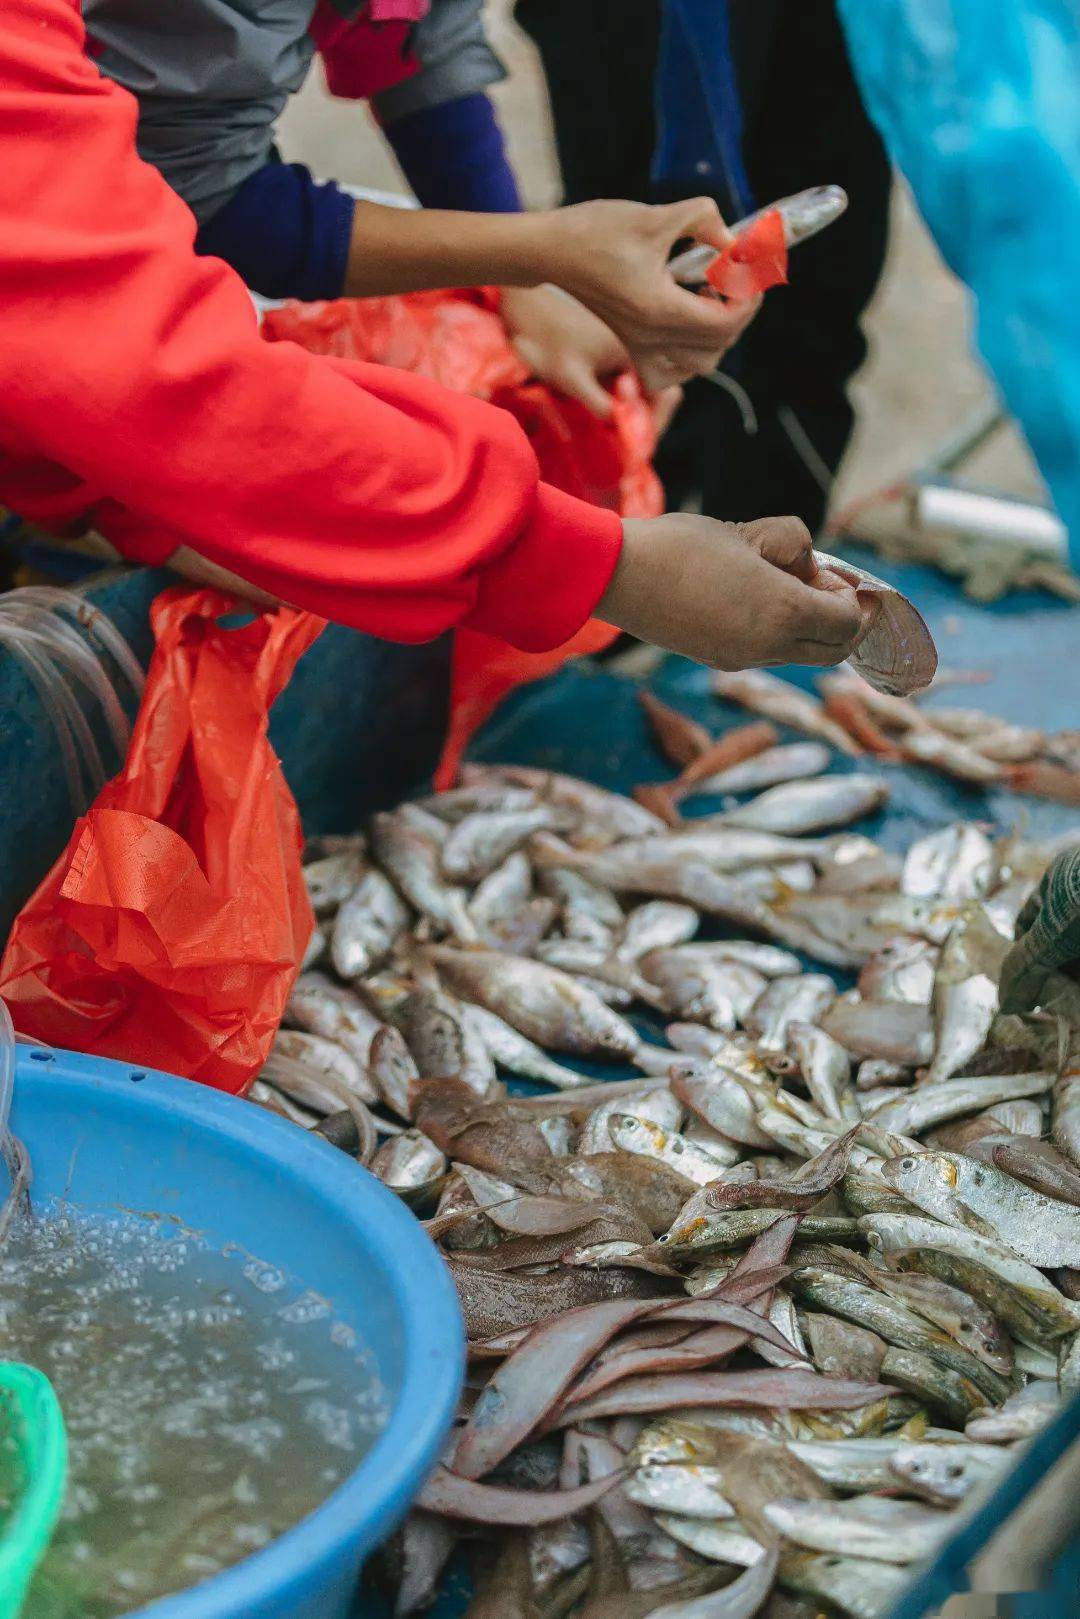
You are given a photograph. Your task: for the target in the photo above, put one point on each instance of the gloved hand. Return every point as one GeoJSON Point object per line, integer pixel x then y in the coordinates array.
{"type": "Point", "coordinates": [1047, 936]}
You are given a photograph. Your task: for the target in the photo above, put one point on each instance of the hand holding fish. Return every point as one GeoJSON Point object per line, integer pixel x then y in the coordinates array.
{"type": "Point", "coordinates": [734, 596]}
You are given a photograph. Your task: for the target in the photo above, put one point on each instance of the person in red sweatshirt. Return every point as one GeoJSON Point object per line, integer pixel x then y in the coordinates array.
{"type": "Point", "coordinates": [137, 397]}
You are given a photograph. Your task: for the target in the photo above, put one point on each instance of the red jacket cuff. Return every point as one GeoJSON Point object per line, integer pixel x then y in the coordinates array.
{"type": "Point", "coordinates": [548, 582]}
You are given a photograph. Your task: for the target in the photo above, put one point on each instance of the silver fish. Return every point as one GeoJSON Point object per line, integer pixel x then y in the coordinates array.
{"type": "Point", "coordinates": [331, 880]}
{"type": "Point", "coordinates": [693, 1491]}
{"type": "Point", "coordinates": [367, 926]}
{"type": "Point", "coordinates": [631, 1133]}
{"type": "Point", "coordinates": [858, 1587]}
{"type": "Point", "coordinates": [826, 1070]}
{"type": "Point", "coordinates": [589, 911]}
{"type": "Point", "coordinates": [657, 925]}
{"type": "Point", "coordinates": [792, 761]}
{"type": "Point", "coordinates": [718, 993]}
{"type": "Point", "coordinates": [610, 814]}
{"type": "Point", "coordinates": [316, 949]}
{"type": "Point", "coordinates": [1066, 1114]}
{"type": "Point", "coordinates": [713, 841]}
{"type": "Point", "coordinates": [458, 802]}
{"type": "Point", "coordinates": [844, 920]}
{"type": "Point", "coordinates": [958, 863]}
{"type": "Point", "coordinates": [811, 806]}
{"type": "Point", "coordinates": [723, 1101]}
{"type": "Point", "coordinates": [268, 1096]}
{"type": "Point", "coordinates": [956, 758]}
{"type": "Point", "coordinates": [928, 1105]}
{"type": "Point", "coordinates": [977, 1196]}
{"type": "Point", "coordinates": [779, 700]}
{"type": "Point", "coordinates": [444, 1044]}
{"type": "Point", "coordinates": [897, 654]}
{"type": "Point", "coordinates": [483, 840]}
{"type": "Point", "coordinates": [767, 959]}
{"type": "Point", "coordinates": [902, 970]}
{"type": "Point", "coordinates": [1024, 1414]}
{"type": "Point", "coordinates": [502, 893]}
{"type": "Point", "coordinates": [893, 1030]}
{"type": "Point", "coordinates": [800, 999]}
{"type": "Point", "coordinates": [656, 1106]}
{"type": "Point", "coordinates": [323, 1056]}
{"type": "Point", "coordinates": [876, 1071]}
{"type": "Point", "coordinates": [866, 1527]}
{"type": "Point", "coordinates": [512, 1051]}
{"type": "Point", "coordinates": [849, 1464]}
{"type": "Point", "coordinates": [965, 992]}
{"type": "Point", "coordinates": [410, 1165]}
{"type": "Point", "coordinates": [320, 1006]}
{"type": "Point", "coordinates": [546, 1005]}
{"type": "Point", "coordinates": [947, 1473]}
{"type": "Point", "coordinates": [1045, 1306]}
{"type": "Point", "coordinates": [410, 856]}
{"type": "Point", "coordinates": [722, 1541]}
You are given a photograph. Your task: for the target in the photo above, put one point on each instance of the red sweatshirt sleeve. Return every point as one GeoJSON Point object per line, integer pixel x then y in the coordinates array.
{"type": "Point", "coordinates": [134, 371]}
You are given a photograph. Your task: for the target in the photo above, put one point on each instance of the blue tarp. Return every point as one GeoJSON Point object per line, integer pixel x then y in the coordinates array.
{"type": "Point", "coordinates": [979, 105]}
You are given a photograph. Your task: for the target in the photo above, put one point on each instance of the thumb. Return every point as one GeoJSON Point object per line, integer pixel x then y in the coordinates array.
{"type": "Point", "coordinates": [833, 616]}
{"type": "Point", "coordinates": [698, 217]}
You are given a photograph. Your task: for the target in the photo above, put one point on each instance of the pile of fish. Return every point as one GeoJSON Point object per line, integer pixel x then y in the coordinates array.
{"type": "Point", "coordinates": [968, 744]}
{"type": "Point", "coordinates": [751, 1320]}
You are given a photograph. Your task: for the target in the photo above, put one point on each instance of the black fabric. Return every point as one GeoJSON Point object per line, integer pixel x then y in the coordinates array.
{"type": "Point", "coordinates": [804, 125]}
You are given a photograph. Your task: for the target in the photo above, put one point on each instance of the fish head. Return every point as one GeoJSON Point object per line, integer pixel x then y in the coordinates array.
{"type": "Point", "coordinates": [925, 1172]}
{"type": "Point", "coordinates": [633, 1133]}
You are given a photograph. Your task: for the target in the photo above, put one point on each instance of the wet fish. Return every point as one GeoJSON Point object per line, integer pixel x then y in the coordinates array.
{"type": "Point", "coordinates": [1019, 1293]}
{"type": "Point", "coordinates": [367, 926]}
{"type": "Point", "coordinates": [702, 1165]}
{"type": "Point", "coordinates": [902, 970]}
{"type": "Point", "coordinates": [793, 761]}
{"type": "Point", "coordinates": [410, 1165]}
{"type": "Point", "coordinates": [657, 1106]}
{"type": "Point", "coordinates": [502, 893]}
{"type": "Point", "coordinates": [721, 1101]}
{"type": "Point", "coordinates": [783, 1390]}
{"type": "Point", "coordinates": [656, 925]}
{"type": "Point", "coordinates": [811, 806]}
{"type": "Point", "coordinates": [721, 1541]}
{"type": "Point", "coordinates": [514, 1052]}
{"type": "Point", "coordinates": [955, 758]}
{"type": "Point", "coordinates": [982, 1198]}
{"type": "Point", "coordinates": [542, 1003]}
{"type": "Point", "coordinates": [928, 1105]}
{"type": "Point", "coordinates": [718, 992]}
{"type": "Point", "coordinates": [894, 1030]}
{"type": "Point", "coordinates": [457, 1497]}
{"type": "Point", "coordinates": [965, 995]}
{"type": "Point", "coordinates": [1066, 1114]}
{"type": "Point", "coordinates": [410, 855]}
{"type": "Point", "coordinates": [859, 1587]}
{"type": "Point", "coordinates": [330, 880]}
{"type": "Point", "coordinates": [826, 1070]}
{"type": "Point", "coordinates": [849, 1464]}
{"type": "Point", "coordinates": [779, 700]}
{"type": "Point", "coordinates": [866, 1527]}
{"type": "Point", "coordinates": [767, 959]}
{"type": "Point", "coordinates": [481, 841]}
{"type": "Point", "coordinates": [874, 1072]}
{"type": "Point", "coordinates": [1024, 1414]}
{"type": "Point", "coordinates": [322, 1007]}
{"type": "Point", "coordinates": [1040, 1166]}
{"type": "Point", "coordinates": [444, 1044]}
{"type": "Point", "coordinates": [958, 863]}
{"type": "Point", "coordinates": [609, 814]}
{"type": "Point", "coordinates": [799, 999]}
{"type": "Point", "coordinates": [945, 1474]}
{"type": "Point", "coordinates": [706, 1233]}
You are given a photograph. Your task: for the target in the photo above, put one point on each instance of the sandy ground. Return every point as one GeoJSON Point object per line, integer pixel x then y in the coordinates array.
{"type": "Point", "coordinates": [921, 380]}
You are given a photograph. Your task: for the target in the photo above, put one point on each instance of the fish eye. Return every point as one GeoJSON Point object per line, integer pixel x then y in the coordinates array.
{"type": "Point", "coordinates": [978, 1177]}
{"type": "Point", "coordinates": [965, 1326]}
{"type": "Point", "coordinates": [954, 1470]}
{"type": "Point", "coordinates": [907, 1163]}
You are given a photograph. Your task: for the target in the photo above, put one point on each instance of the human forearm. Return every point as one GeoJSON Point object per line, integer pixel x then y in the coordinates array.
{"type": "Point", "coordinates": [409, 249]}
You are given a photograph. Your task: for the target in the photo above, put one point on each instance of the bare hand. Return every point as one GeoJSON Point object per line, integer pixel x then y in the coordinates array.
{"type": "Point", "coordinates": [732, 595]}
{"type": "Point", "coordinates": [563, 344]}
{"type": "Point", "coordinates": [612, 256]}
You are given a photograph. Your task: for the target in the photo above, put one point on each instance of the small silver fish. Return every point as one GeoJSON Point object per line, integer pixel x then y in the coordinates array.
{"type": "Point", "coordinates": [866, 1527]}
{"type": "Point", "coordinates": [631, 1133]}
{"type": "Point", "coordinates": [331, 880]}
{"type": "Point", "coordinates": [965, 995]}
{"type": "Point", "coordinates": [767, 959]}
{"type": "Point", "coordinates": [410, 1165]}
{"type": "Point", "coordinates": [718, 993]}
{"type": "Point", "coordinates": [692, 1491]}
{"type": "Point", "coordinates": [513, 1051]}
{"type": "Point", "coordinates": [502, 893]}
{"type": "Point", "coordinates": [826, 1070]}
{"type": "Point", "coordinates": [656, 925]}
{"type": "Point", "coordinates": [547, 1006]}
{"type": "Point", "coordinates": [981, 1197]}
{"type": "Point", "coordinates": [894, 1030]}
{"type": "Point", "coordinates": [902, 970]}
{"type": "Point", "coordinates": [946, 1474]}
{"type": "Point", "coordinates": [444, 1044]}
{"type": "Point", "coordinates": [322, 1007]}
{"type": "Point", "coordinates": [956, 864]}
{"type": "Point", "coordinates": [1024, 1414]}
{"type": "Point", "coordinates": [859, 1587]}
{"type": "Point", "coordinates": [1066, 1114]}
{"type": "Point", "coordinates": [410, 855]}
{"type": "Point", "coordinates": [811, 806]}
{"type": "Point", "coordinates": [928, 1105]}
{"type": "Point", "coordinates": [800, 999]}
{"type": "Point", "coordinates": [483, 840]}
{"type": "Point", "coordinates": [367, 926]}
{"type": "Point", "coordinates": [656, 1106]}
{"type": "Point", "coordinates": [793, 761]}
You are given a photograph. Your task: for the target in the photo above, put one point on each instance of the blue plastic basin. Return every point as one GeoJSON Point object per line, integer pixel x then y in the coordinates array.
{"type": "Point", "coordinates": [110, 1137]}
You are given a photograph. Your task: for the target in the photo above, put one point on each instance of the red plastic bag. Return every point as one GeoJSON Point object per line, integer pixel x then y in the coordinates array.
{"type": "Point", "coordinates": [458, 339]}
{"type": "Point", "coordinates": [170, 930]}
{"type": "Point", "coordinates": [756, 260]}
